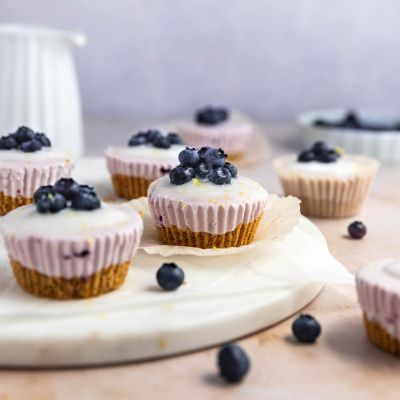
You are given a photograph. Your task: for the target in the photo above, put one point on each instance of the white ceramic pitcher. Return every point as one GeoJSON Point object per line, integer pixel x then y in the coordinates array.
{"type": "Point", "coordinates": [38, 84]}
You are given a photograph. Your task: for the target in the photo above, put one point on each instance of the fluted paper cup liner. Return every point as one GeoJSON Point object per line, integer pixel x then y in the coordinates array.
{"type": "Point", "coordinates": [327, 196]}
{"type": "Point", "coordinates": [279, 217]}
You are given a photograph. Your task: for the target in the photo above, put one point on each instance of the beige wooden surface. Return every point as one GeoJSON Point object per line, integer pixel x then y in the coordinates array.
{"type": "Point", "coordinates": [342, 365]}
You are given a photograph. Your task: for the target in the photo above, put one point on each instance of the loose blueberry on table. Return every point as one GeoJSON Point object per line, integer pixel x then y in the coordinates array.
{"type": "Point", "coordinates": [211, 115]}
{"type": "Point", "coordinates": [154, 138]}
{"type": "Point", "coordinates": [306, 328]}
{"type": "Point", "coordinates": [351, 120]}
{"type": "Point", "coordinates": [65, 193]}
{"type": "Point", "coordinates": [233, 363]}
{"type": "Point", "coordinates": [169, 276]}
{"type": "Point", "coordinates": [319, 152]}
{"type": "Point", "coordinates": [357, 230]}
{"type": "Point", "coordinates": [24, 139]}
{"type": "Point", "coordinates": [206, 163]}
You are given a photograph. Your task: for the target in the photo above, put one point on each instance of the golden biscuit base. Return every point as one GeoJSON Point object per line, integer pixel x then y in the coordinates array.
{"type": "Point", "coordinates": [130, 187]}
{"type": "Point", "coordinates": [243, 234]}
{"type": "Point", "coordinates": [8, 203]}
{"type": "Point", "coordinates": [232, 157]}
{"type": "Point", "coordinates": [38, 284]}
{"type": "Point", "coordinates": [378, 336]}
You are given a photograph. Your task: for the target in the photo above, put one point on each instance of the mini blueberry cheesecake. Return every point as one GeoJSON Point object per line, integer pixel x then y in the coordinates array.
{"type": "Point", "coordinates": [148, 156]}
{"type": "Point", "coordinates": [378, 288]}
{"type": "Point", "coordinates": [205, 203]}
{"type": "Point", "coordinates": [328, 183]}
{"type": "Point", "coordinates": [70, 245]}
{"type": "Point", "coordinates": [27, 162]}
{"type": "Point", "coordinates": [217, 127]}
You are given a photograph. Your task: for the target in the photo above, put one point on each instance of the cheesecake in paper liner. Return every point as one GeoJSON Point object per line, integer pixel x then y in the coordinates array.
{"type": "Point", "coordinates": [278, 219]}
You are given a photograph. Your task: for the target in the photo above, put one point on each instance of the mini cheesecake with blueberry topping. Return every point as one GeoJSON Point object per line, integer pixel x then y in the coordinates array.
{"type": "Point", "coordinates": [329, 183]}
{"type": "Point", "coordinates": [148, 156]}
{"type": "Point", "coordinates": [217, 127]}
{"type": "Point", "coordinates": [27, 162]}
{"type": "Point", "coordinates": [70, 245]}
{"type": "Point", "coordinates": [205, 203]}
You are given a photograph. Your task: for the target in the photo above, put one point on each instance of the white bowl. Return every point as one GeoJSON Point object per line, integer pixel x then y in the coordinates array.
{"type": "Point", "coordinates": [383, 145]}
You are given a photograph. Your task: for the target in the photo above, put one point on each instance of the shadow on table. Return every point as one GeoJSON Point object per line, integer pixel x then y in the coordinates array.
{"type": "Point", "coordinates": [348, 338]}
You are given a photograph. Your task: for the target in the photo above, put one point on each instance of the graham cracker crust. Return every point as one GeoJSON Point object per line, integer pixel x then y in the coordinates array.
{"type": "Point", "coordinates": [382, 339]}
{"type": "Point", "coordinates": [130, 187]}
{"type": "Point", "coordinates": [243, 234]}
{"type": "Point", "coordinates": [38, 284]}
{"type": "Point", "coordinates": [8, 203]}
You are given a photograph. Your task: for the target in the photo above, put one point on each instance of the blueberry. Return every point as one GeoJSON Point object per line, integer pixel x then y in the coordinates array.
{"type": "Point", "coordinates": [350, 120]}
{"type": "Point", "coordinates": [85, 201]}
{"type": "Point", "coordinates": [306, 156]}
{"type": "Point", "coordinates": [43, 139]}
{"type": "Point", "coordinates": [357, 230]}
{"type": "Point", "coordinates": [212, 157]}
{"type": "Point", "coordinates": [211, 115]}
{"type": "Point", "coordinates": [329, 156]}
{"type": "Point", "coordinates": [180, 175]}
{"type": "Point", "coordinates": [24, 134]}
{"type": "Point", "coordinates": [8, 142]}
{"type": "Point", "coordinates": [220, 176]}
{"type": "Point", "coordinates": [202, 171]}
{"type": "Point", "coordinates": [232, 169]}
{"type": "Point", "coordinates": [170, 276]}
{"type": "Point", "coordinates": [138, 139]}
{"type": "Point", "coordinates": [152, 134]}
{"type": "Point", "coordinates": [30, 146]}
{"type": "Point", "coordinates": [189, 157]}
{"type": "Point", "coordinates": [67, 187]}
{"type": "Point", "coordinates": [174, 138]}
{"type": "Point", "coordinates": [306, 328]}
{"type": "Point", "coordinates": [43, 191]}
{"type": "Point", "coordinates": [233, 363]}
{"type": "Point", "coordinates": [322, 123]}
{"type": "Point", "coordinates": [161, 142]}
{"type": "Point", "coordinates": [319, 148]}
{"type": "Point", "coordinates": [50, 202]}
{"type": "Point", "coordinates": [86, 189]}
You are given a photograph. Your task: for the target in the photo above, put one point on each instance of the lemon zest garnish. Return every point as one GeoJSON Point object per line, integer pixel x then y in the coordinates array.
{"type": "Point", "coordinates": [340, 150]}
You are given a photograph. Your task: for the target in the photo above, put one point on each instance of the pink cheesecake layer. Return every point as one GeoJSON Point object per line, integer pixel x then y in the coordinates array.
{"type": "Point", "coordinates": [23, 178]}
{"type": "Point", "coordinates": [379, 296]}
{"type": "Point", "coordinates": [143, 169]}
{"type": "Point", "coordinates": [77, 255]}
{"type": "Point", "coordinates": [142, 161]}
{"type": "Point", "coordinates": [205, 207]}
{"type": "Point", "coordinates": [214, 219]}
{"type": "Point", "coordinates": [231, 136]}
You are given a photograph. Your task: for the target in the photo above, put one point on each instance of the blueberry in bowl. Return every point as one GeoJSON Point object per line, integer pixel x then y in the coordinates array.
{"type": "Point", "coordinates": [366, 132]}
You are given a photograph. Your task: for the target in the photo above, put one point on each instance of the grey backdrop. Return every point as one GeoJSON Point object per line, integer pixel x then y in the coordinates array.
{"type": "Point", "coordinates": [272, 59]}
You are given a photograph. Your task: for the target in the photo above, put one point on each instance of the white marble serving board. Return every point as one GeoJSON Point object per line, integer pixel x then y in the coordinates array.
{"type": "Point", "coordinates": [223, 298]}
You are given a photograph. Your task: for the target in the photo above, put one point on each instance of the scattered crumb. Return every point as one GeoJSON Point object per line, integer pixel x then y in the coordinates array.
{"type": "Point", "coordinates": [163, 342]}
